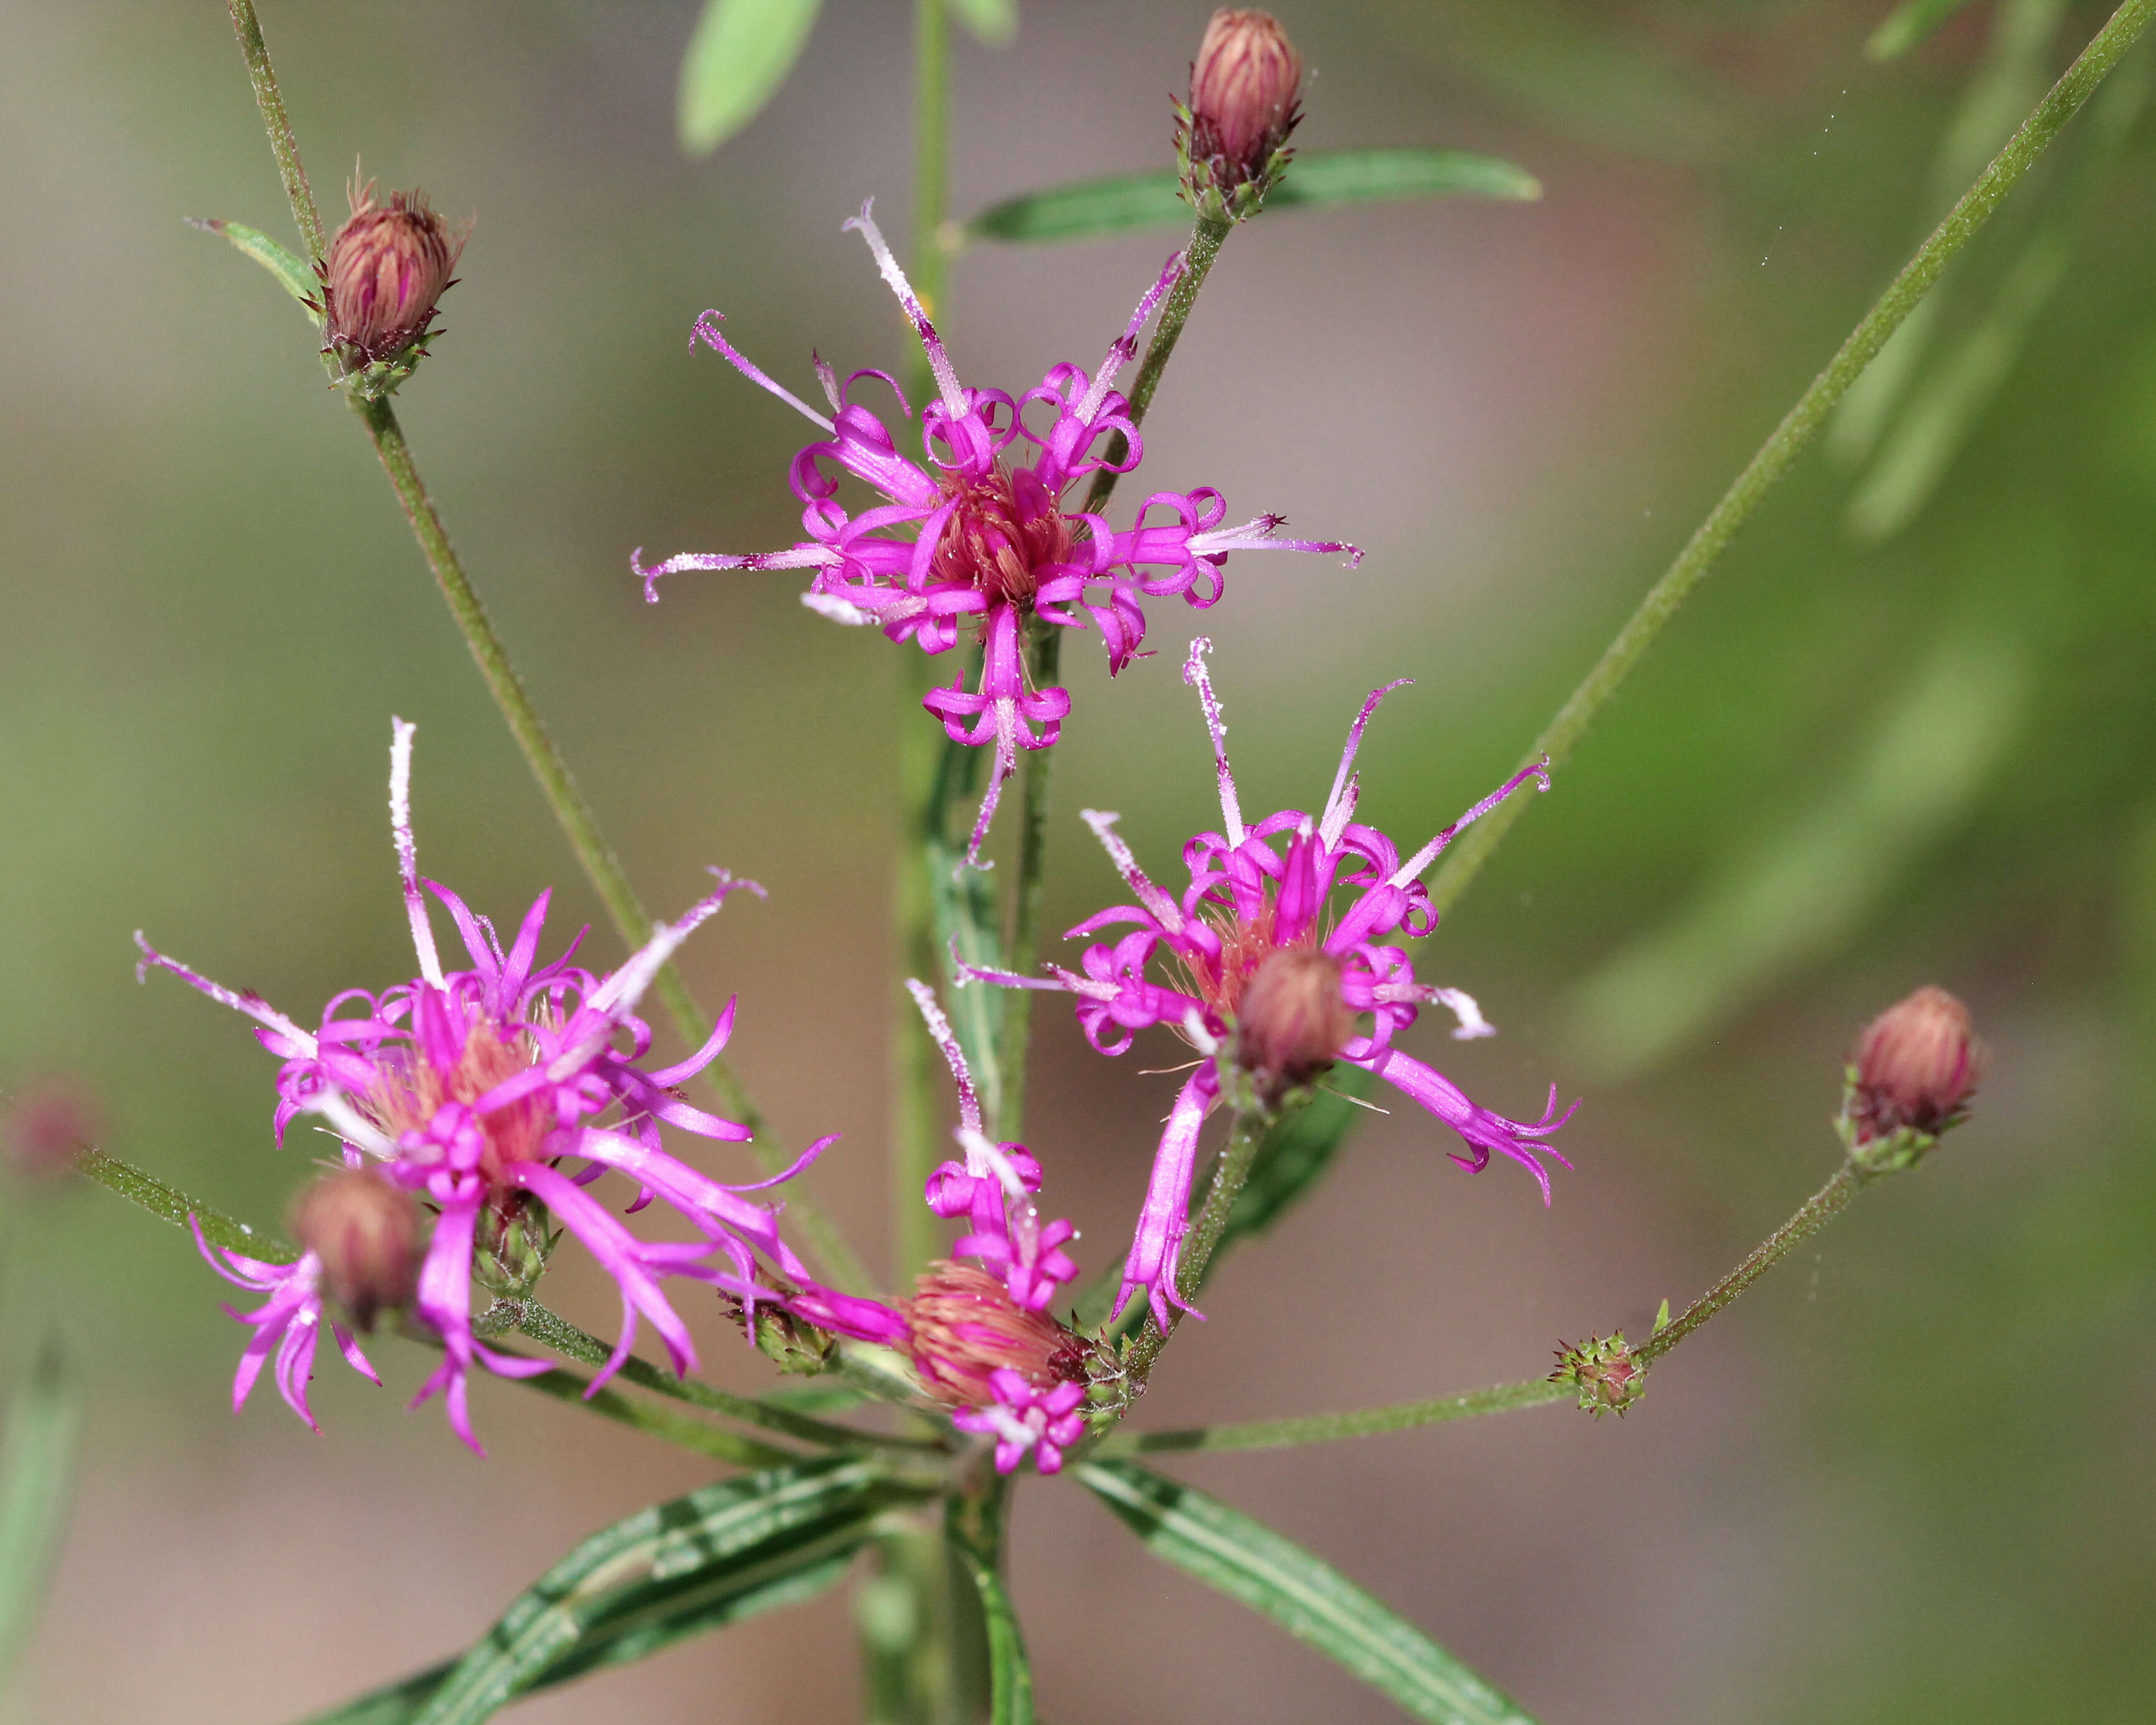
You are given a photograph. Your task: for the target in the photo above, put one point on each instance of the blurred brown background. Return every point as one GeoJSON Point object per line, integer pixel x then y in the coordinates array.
{"type": "Point", "coordinates": [1906, 1480]}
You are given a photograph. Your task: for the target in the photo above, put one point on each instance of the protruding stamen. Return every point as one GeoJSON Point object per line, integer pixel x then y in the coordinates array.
{"type": "Point", "coordinates": [1539, 771]}
{"type": "Point", "coordinates": [1261, 534]}
{"type": "Point", "coordinates": [707, 332]}
{"type": "Point", "coordinates": [1340, 805]}
{"type": "Point", "coordinates": [1125, 346]}
{"type": "Point", "coordinates": [954, 1056]}
{"type": "Point", "coordinates": [794, 557]}
{"type": "Point", "coordinates": [1195, 674]}
{"type": "Point", "coordinates": [939, 362]}
{"type": "Point", "coordinates": [408, 850]}
{"type": "Point", "coordinates": [1163, 909]}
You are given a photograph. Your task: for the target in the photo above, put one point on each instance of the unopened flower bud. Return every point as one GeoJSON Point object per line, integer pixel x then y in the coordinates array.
{"type": "Point", "coordinates": [966, 1328]}
{"type": "Point", "coordinates": [1607, 1377]}
{"type": "Point", "coordinates": [365, 1232]}
{"type": "Point", "coordinates": [48, 1125]}
{"type": "Point", "coordinates": [387, 266]}
{"type": "Point", "coordinates": [1291, 1022]}
{"type": "Point", "coordinates": [1914, 1069]}
{"type": "Point", "coordinates": [1244, 86]}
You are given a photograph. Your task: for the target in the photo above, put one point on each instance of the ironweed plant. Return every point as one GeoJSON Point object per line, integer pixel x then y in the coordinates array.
{"type": "Point", "coordinates": [508, 1101]}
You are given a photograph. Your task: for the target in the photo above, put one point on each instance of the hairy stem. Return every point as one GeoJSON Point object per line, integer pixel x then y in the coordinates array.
{"type": "Point", "coordinates": [1821, 1208]}
{"type": "Point", "coordinates": [1045, 655]}
{"type": "Point", "coordinates": [1816, 1211]}
{"type": "Point", "coordinates": [282, 144]}
{"type": "Point", "coordinates": [551, 1329]}
{"type": "Point", "coordinates": [1319, 1428]}
{"type": "Point", "coordinates": [915, 1112]}
{"type": "Point", "coordinates": [1206, 238]}
{"type": "Point", "coordinates": [819, 1238]}
{"type": "Point", "coordinates": [1799, 426]}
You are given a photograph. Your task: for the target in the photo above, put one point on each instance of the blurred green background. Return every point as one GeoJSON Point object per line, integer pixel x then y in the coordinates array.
{"type": "Point", "coordinates": [1903, 736]}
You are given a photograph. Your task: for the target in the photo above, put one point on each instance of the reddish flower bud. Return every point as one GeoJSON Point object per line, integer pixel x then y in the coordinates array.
{"type": "Point", "coordinates": [1243, 90]}
{"type": "Point", "coordinates": [1291, 1023]}
{"type": "Point", "coordinates": [48, 1124]}
{"type": "Point", "coordinates": [367, 1232]}
{"type": "Point", "coordinates": [386, 267]}
{"type": "Point", "coordinates": [1915, 1066]}
{"type": "Point", "coordinates": [966, 1328]}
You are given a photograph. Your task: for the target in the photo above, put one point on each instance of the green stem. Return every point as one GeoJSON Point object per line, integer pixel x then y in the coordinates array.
{"type": "Point", "coordinates": [1799, 426]}
{"type": "Point", "coordinates": [170, 1204]}
{"type": "Point", "coordinates": [818, 1236]}
{"type": "Point", "coordinates": [1318, 1428]}
{"type": "Point", "coordinates": [551, 1329]}
{"type": "Point", "coordinates": [1044, 656]}
{"type": "Point", "coordinates": [1816, 1211]}
{"type": "Point", "coordinates": [1821, 1208]}
{"type": "Point", "coordinates": [915, 1107]}
{"type": "Point", "coordinates": [1244, 1136]}
{"type": "Point", "coordinates": [282, 144]}
{"type": "Point", "coordinates": [1207, 236]}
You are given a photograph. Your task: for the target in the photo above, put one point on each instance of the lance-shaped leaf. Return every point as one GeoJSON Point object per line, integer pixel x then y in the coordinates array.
{"type": "Point", "coordinates": [1128, 203]}
{"type": "Point", "coordinates": [37, 1459]}
{"type": "Point", "coordinates": [741, 53]}
{"type": "Point", "coordinates": [667, 1571]}
{"type": "Point", "coordinates": [1308, 1598]}
{"type": "Point", "coordinates": [297, 279]}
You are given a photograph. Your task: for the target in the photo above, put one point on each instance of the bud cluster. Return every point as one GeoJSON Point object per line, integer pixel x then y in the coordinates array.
{"type": "Point", "coordinates": [1914, 1069]}
{"type": "Point", "coordinates": [1231, 136]}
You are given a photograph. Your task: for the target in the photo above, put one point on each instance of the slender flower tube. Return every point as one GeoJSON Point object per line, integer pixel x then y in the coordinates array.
{"type": "Point", "coordinates": [469, 1088]}
{"type": "Point", "coordinates": [975, 534]}
{"type": "Point", "coordinates": [1022, 1419]}
{"type": "Point", "coordinates": [1268, 982]}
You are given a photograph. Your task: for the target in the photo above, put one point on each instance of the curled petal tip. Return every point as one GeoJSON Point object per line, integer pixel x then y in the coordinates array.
{"type": "Point", "coordinates": [1354, 556]}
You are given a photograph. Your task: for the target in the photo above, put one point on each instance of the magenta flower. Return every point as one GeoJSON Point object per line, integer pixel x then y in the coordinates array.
{"type": "Point", "coordinates": [288, 1324]}
{"type": "Point", "coordinates": [1268, 982]}
{"type": "Point", "coordinates": [1045, 1421]}
{"type": "Point", "coordinates": [977, 533]}
{"type": "Point", "coordinates": [472, 1087]}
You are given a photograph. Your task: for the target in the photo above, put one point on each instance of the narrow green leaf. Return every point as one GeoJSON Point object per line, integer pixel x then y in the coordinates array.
{"type": "Point", "coordinates": [790, 1577]}
{"type": "Point", "coordinates": [1127, 204]}
{"type": "Point", "coordinates": [993, 22]}
{"type": "Point", "coordinates": [37, 1460]}
{"type": "Point", "coordinates": [1907, 24]}
{"type": "Point", "coordinates": [298, 279]}
{"type": "Point", "coordinates": [741, 52]}
{"type": "Point", "coordinates": [1309, 1598]}
{"type": "Point", "coordinates": [665, 1571]}
{"type": "Point", "coordinates": [1010, 1677]}
{"type": "Point", "coordinates": [173, 1205]}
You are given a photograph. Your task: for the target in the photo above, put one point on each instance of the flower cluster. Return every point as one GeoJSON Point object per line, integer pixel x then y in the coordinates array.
{"type": "Point", "coordinates": [978, 534]}
{"type": "Point", "coordinates": [980, 1336]}
{"type": "Point", "coordinates": [469, 1088]}
{"type": "Point", "coordinates": [1268, 983]}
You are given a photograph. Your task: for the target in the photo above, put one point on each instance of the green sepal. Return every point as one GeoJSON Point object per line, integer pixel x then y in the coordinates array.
{"type": "Point", "coordinates": [1603, 1371]}
{"type": "Point", "coordinates": [297, 278]}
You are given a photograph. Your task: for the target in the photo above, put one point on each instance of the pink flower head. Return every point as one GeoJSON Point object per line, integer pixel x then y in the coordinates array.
{"type": "Point", "coordinates": [993, 1187]}
{"type": "Point", "coordinates": [471, 1088]}
{"type": "Point", "coordinates": [287, 1324]}
{"type": "Point", "coordinates": [976, 533]}
{"type": "Point", "coordinates": [1268, 980]}
{"type": "Point", "coordinates": [1021, 1418]}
